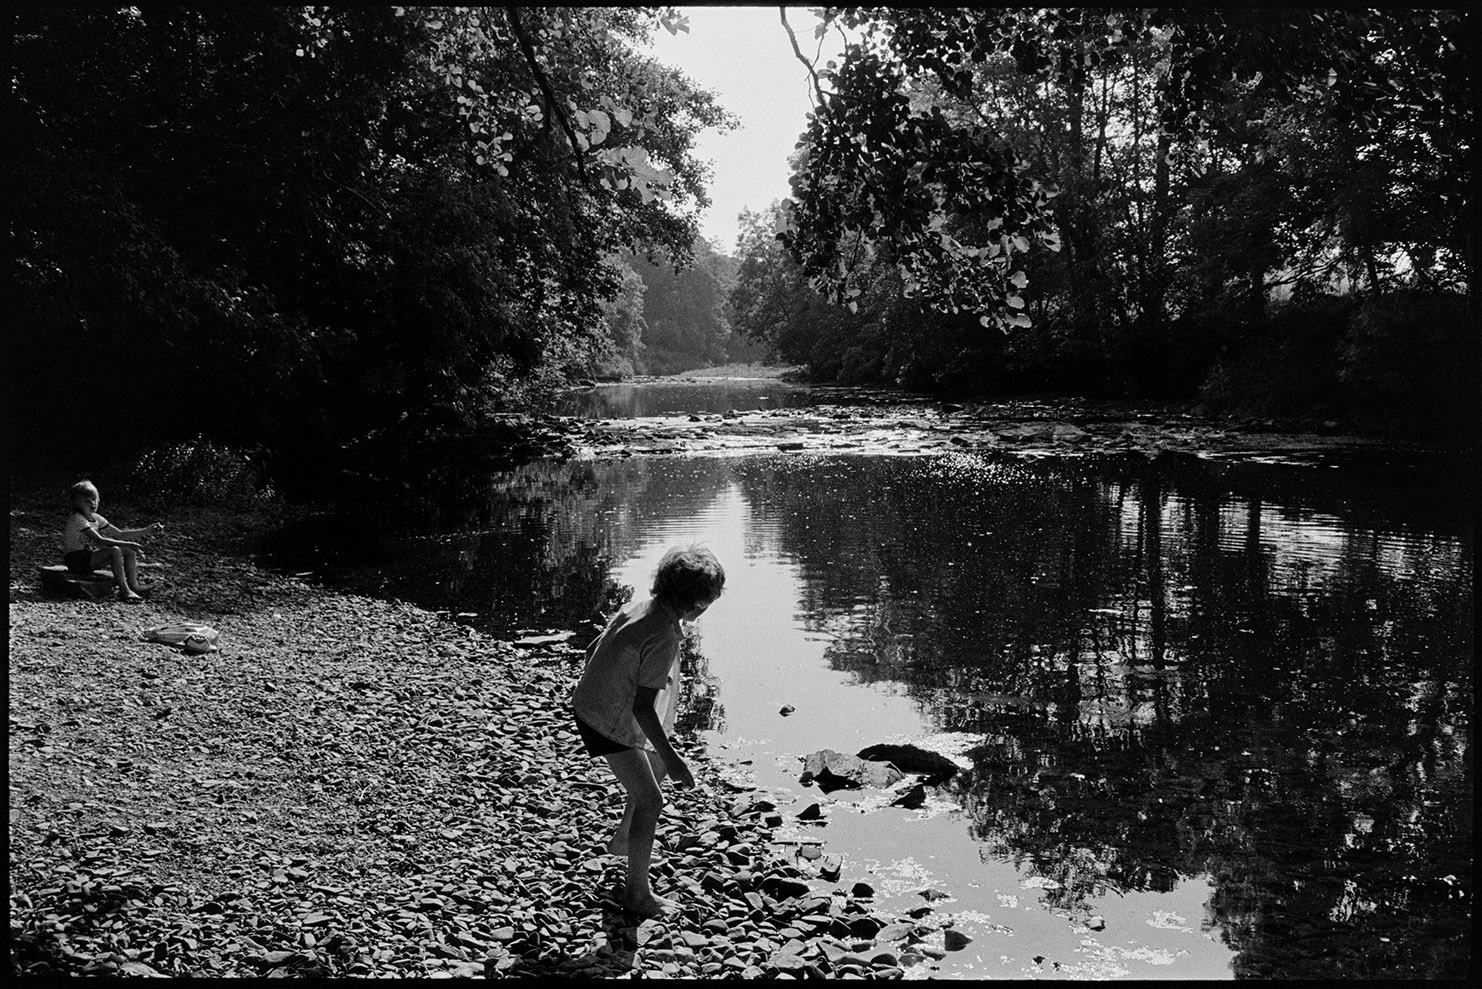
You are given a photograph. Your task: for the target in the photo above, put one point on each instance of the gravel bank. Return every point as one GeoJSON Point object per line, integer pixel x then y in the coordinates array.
{"type": "Point", "coordinates": [355, 787]}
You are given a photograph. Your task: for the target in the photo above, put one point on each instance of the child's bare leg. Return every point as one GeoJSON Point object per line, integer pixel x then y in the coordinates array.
{"type": "Point", "coordinates": [634, 772]}
{"type": "Point", "coordinates": [115, 557]}
{"type": "Point", "coordinates": [131, 568]}
{"type": "Point", "coordinates": [618, 843]}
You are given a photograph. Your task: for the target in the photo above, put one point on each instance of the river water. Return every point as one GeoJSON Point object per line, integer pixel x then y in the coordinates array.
{"type": "Point", "coordinates": [1214, 717]}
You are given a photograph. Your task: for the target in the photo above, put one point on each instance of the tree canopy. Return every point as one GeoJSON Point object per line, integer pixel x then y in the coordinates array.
{"type": "Point", "coordinates": [294, 223]}
{"type": "Point", "coordinates": [900, 155]}
{"type": "Point", "coordinates": [1150, 202]}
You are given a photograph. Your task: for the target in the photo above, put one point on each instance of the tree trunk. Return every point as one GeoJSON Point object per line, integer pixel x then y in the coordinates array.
{"type": "Point", "coordinates": [1080, 238]}
{"type": "Point", "coordinates": [1157, 270]}
{"type": "Point", "coordinates": [1373, 269]}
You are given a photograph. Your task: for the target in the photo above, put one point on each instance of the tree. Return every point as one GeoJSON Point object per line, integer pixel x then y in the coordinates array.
{"type": "Point", "coordinates": [300, 223]}
{"type": "Point", "coordinates": [686, 310]}
{"type": "Point", "coordinates": [953, 197]}
{"type": "Point", "coordinates": [773, 301]}
{"type": "Point", "coordinates": [1210, 177]}
{"type": "Point", "coordinates": [625, 326]}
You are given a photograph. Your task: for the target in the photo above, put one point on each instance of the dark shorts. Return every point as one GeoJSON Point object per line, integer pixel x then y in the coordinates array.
{"type": "Point", "coordinates": [594, 741]}
{"type": "Point", "coordinates": [79, 560]}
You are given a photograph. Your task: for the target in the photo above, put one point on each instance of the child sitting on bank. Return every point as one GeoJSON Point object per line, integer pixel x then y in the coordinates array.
{"type": "Point", "coordinates": [625, 704]}
{"type": "Point", "coordinates": [89, 542]}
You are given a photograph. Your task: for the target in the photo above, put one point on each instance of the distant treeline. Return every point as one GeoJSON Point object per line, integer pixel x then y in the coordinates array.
{"type": "Point", "coordinates": [665, 320]}
{"type": "Point", "coordinates": [1270, 212]}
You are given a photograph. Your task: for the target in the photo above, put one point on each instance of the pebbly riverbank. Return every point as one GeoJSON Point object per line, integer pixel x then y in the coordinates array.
{"type": "Point", "coordinates": [357, 787]}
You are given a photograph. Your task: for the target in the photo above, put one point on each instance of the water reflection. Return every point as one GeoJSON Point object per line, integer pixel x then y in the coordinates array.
{"type": "Point", "coordinates": [1172, 679]}
{"type": "Point", "coordinates": [1256, 677]}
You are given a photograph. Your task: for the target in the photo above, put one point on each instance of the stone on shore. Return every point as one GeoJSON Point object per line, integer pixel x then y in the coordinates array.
{"type": "Point", "coordinates": [401, 802]}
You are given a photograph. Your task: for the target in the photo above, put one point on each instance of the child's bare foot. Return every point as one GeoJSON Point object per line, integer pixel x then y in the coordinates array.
{"type": "Point", "coordinates": [129, 597]}
{"type": "Point", "coordinates": [649, 906]}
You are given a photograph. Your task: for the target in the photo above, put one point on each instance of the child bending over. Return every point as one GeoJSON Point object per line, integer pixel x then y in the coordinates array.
{"type": "Point", "coordinates": [625, 704]}
{"type": "Point", "coordinates": [89, 541]}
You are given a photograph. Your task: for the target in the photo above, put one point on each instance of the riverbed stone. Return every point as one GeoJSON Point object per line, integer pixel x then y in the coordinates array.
{"type": "Point", "coordinates": [895, 932]}
{"type": "Point", "coordinates": [913, 799]}
{"type": "Point", "coordinates": [832, 770]}
{"type": "Point", "coordinates": [910, 759]}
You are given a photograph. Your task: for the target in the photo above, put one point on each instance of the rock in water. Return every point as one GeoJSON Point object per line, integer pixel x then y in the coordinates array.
{"type": "Point", "coordinates": [911, 759]}
{"type": "Point", "coordinates": [912, 799]}
{"type": "Point", "coordinates": [837, 771]}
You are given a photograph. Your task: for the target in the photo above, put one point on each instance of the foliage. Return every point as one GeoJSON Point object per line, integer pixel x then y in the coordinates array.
{"type": "Point", "coordinates": [624, 325]}
{"type": "Point", "coordinates": [686, 311]}
{"type": "Point", "coordinates": [290, 225]}
{"type": "Point", "coordinates": [1285, 367]}
{"type": "Point", "coordinates": [886, 162]}
{"type": "Point", "coordinates": [1210, 169]}
{"type": "Point", "coordinates": [944, 196]}
{"type": "Point", "coordinates": [197, 472]}
{"type": "Point", "coordinates": [771, 299]}
{"type": "Point", "coordinates": [1413, 358]}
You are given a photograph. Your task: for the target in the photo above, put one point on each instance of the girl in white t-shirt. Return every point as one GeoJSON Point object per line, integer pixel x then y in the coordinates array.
{"type": "Point", "coordinates": [625, 703]}
{"type": "Point", "coordinates": [89, 541]}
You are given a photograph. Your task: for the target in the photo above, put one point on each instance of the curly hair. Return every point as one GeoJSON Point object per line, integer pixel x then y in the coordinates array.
{"type": "Point", "coordinates": [688, 575]}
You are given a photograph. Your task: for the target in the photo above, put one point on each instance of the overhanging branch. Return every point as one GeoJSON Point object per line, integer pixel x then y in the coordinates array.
{"type": "Point", "coordinates": [798, 51]}
{"type": "Point", "coordinates": [527, 48]}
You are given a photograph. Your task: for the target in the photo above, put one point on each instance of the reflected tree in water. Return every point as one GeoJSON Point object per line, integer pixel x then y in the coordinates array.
{"type": "Point", "coordinates": [699, 698]}
{"type": "Point", "coordinates": [1169, 683]}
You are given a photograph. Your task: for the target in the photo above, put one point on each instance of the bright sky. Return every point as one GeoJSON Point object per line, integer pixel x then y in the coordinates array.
{"type": "Point", "coordinates": [743, 55]}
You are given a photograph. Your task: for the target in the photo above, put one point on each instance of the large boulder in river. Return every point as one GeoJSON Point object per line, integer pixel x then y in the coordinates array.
{"type": "Point", "coordinates": [912, 759]}
{"type": "Point", "coordinates": [837, 771]}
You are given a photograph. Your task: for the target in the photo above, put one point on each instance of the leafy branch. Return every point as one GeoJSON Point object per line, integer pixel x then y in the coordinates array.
{"type": "Point", "coordinates": [527, 48]}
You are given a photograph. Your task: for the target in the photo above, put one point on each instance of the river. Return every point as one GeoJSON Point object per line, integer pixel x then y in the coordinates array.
{"type": "Point", "coordinates": [1214, 716]}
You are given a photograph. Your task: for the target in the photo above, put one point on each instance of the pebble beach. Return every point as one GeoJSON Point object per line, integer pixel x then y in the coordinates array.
{"type": "Point", "coordinates": [353, 787]}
